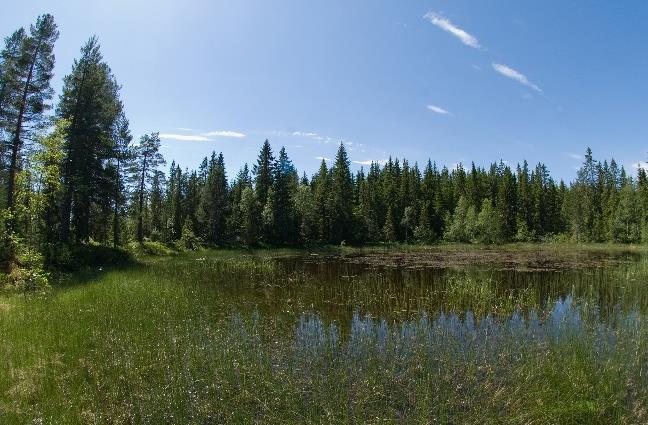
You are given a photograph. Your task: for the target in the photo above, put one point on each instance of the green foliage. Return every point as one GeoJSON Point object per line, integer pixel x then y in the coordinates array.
{"type": "Point", "coordinates": [462, 226]}
{"type": "Point", "coordinates": [27, 273]}
{"type": "Point", "coordinates": [26, 91]}
{"type": "Point", "coordinates": [22, 265]}
{"type": "Point", "coordinates": [157, 345]}
{"type": "Point", "coordinates": [89, 177]}
{"type": "Point", "coordinates": [150, 249]}
{"type": "Point", "coordinates": [389, 229]}
{"type": "Point", "coordinates": [625, 226]}
{"type": "Point", "coordinates": [189, 240]}
{"type": "Point", "coordinates": [213, 202]}
{"type": "Point", "coordinates": [248, 214]}
{"type": "Point", "coordinates": [85, 182]}
{"type": "Point", "coordinates": [490, 225]}
{"type": "Point", "coordinates": [341, 199]}
{"type": "Point", "coordinates": [306, 214]}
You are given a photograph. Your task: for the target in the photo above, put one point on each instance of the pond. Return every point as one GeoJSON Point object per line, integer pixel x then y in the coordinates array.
{"type": "Point", "coordinates": [402, 285]}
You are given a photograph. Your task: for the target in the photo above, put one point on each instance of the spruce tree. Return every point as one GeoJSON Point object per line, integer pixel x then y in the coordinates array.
{"type": "Point", "coordinates": [213, 203]}
{"type": "Point", "coordinates": [285, 185]}
{"type": "Point", "coordinates": [263, 174]}
{"type": "Point", "coordinates": [247, 211]}
{"type": "Point", "coordinates": [341, 198]}
{"type": "Point", "coordinates": [321, 183]}
{"type": "Point", "coordinates": [121, 163]}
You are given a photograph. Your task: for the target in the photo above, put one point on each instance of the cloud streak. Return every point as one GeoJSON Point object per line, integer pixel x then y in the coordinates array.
{"type": "Point", "coordinates": [371, 161]}
{"type": "Point", "coordinates": [203, 137]}
{"type": "Point", "coordinates": [224, 133]}
{"type": "Point", "coordinates": [444, 23]}
{"type": "Point", "coordinates": [438, 110]}
{"type": "Point", "coordinates": [511, 73]}
{"type": "Point", "coordinates": [184, 137]}
{"type": "Point", "coordinates": [304, 134]}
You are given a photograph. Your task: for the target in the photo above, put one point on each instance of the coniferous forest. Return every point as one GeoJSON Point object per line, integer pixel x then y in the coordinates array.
{"type": "Point", "coordinates": [72, 175]}
{"type": "Point", "coordinates": [135, 289]}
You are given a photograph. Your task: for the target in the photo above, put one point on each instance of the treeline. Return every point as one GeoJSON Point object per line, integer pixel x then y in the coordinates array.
{"type": "Point", "coordinates": [393, 202]}
{"type": "Point", "coordinates": [71, 175]}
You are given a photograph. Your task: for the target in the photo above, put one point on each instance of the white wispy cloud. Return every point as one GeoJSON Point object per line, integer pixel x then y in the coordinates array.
{"type": "Point", "coordinates": [438, 110]}
{"type": "Point", "coordinates": [224, 133]}
{"type": "Point", "coordinates": [304, 134]}
{"type": "Point", "coordinates": [511, 73]}
{"type": "Point", "coordinates": [184, 137]}
{"type": "Point", "coordinates": [314, 136]}
{"type": "Point", "coordinates": [323, 158]}
{"type": "Point", "coordinates": [444, 23]}
{"type": "Point", "coordinates": [203, 137]}
{"type": "Point", "coordinates": [575, 156]}
{"type": "Point", "coordinates": [371, 161]}
{"type": "Point", "coordinates": [185, 129]}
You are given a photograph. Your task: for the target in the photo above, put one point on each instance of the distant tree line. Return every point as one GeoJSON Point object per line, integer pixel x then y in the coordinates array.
{"type": "Point", "coordinates": [75, 176]}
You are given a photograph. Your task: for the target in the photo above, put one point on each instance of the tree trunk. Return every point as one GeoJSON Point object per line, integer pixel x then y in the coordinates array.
{"type": "Point", "coordinates": [140, 217]}
{"type": "Point", "coordinates": [116, 241]}
{"type": "Point", "coordinates": [66, 212]}
{"type": "Point", "coordinates": [15, 146]}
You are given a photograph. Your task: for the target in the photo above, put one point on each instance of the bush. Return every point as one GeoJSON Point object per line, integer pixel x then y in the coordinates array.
{"type": "Point", "coordinates": [93, 255]}
{"type": "Point", "coordinates": [24, 266]}
{"type": "Point", "coordinates": [189, 240]}
{"type": "Point", "coordinates": [149, 248]}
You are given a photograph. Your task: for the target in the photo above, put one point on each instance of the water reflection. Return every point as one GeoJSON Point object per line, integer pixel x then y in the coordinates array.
{"type": "Point", "coordinates": [337, 286]}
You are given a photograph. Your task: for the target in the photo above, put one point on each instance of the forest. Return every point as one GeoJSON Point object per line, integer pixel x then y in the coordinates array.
{"type": "Point", "coordinates": [136, 289]}
{"type": "Point", "coordinates": [72, 177]}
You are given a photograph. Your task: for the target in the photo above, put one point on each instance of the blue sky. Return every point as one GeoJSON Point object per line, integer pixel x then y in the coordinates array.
{"type": "Point", "coordinates": [453, 81]}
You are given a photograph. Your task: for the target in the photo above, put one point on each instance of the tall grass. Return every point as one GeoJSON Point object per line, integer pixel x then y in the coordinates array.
{"type": "Point", "coordinates": [192, 340]}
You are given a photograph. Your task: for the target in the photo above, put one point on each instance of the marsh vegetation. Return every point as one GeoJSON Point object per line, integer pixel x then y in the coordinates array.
{"type": "Point", "coordinates": [330, 336]}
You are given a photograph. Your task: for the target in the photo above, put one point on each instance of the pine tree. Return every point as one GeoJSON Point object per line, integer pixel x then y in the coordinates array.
{"type": "Point", "coordinates": [28, 101]}
{"type": "Point", "coordinates": [147, 159]}
{"type": "Point", "coordinates": [9, 67]}
{"type": "Point", "coordinates": [90, 102]}
{"type": "Point", "coordinates": [157, 205]}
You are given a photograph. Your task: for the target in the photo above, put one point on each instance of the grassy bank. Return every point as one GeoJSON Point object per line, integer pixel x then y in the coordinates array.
{"type": "Point", "coordinates": [199, 338]}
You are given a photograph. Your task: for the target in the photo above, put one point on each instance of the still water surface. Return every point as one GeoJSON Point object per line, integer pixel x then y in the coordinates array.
{"type": "Point", "coordinates": [404, 285]}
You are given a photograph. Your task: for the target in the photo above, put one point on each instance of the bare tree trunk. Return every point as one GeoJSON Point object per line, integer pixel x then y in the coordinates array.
{"type": "Point", "coordinates": [140, 218]}
{"type": "Point", "coordinates": [116, 241]}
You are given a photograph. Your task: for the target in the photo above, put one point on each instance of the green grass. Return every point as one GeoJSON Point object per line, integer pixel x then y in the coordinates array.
{"type": "Point", "coordinates": [155, 343]}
